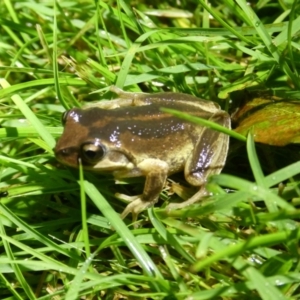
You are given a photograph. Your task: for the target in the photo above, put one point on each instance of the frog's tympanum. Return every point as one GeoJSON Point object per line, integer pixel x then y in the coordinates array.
{"type": "Point", "coordinates": [131, 136]}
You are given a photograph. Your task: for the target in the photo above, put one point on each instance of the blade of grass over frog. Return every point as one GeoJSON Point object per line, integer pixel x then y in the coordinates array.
{"type": "Point", "coordinates": [169, 238]}
{"type": "Point", "coordinates": [254, 162]}
{"type": "Point", "coordinates": [11, 287]}
{"type": "Point", "coordinates": [267, 40]}
{"type": "Point", "coordinates": [31, 117]}
{"type": "Point", "coordinates": [39, 82]}
{"type": "Point", "coordinates": [205, 122]}
{"type": "Point", "coordinates": [142, 257]}
{"type": "Point", "coordinates": [19, 275]}
{"type": "Point", "coordinates": [265, 240]}
{"type": "Point", "coordinates": [260, 192]}
{"type": "Point", "coordinates": [35, 234]}
{"type": "Point", "coordinates": [282, 174]}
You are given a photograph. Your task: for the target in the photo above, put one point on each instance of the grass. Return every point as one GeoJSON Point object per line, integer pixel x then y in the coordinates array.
{"type": "Point", "coordinates": [61, 235]}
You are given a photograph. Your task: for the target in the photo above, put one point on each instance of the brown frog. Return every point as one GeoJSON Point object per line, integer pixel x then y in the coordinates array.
{"type": "Point", "coordinates": [130, 137]}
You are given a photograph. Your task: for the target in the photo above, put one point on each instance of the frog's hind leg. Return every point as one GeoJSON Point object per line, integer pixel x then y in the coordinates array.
{"type": "Point", "coordinates": [208, 158]}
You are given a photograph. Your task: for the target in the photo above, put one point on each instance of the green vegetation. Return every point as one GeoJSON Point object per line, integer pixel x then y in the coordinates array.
{"type": "Point", "coordinates": [57, 240]}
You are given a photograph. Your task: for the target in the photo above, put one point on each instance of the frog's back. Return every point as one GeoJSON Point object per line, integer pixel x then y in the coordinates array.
{"type": "Point", "coordinates": [142, 123]}
{"type": "Point", "coordinates": [145, 131]}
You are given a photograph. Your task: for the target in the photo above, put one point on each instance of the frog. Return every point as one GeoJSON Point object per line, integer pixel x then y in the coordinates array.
{"type": "Point", "coordinates": [131, 136]}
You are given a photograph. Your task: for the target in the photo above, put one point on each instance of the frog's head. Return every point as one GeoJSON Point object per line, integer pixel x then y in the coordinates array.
{"type": "Point", "coordinates": [80, 141]}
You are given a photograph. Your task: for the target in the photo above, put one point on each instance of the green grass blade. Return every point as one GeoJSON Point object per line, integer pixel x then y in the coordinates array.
{"type": "Point", "coordinates": [39, 82]}
{"type": "Point", "coordinates": [264, 286]}
{"type": "Point", "coordinates": [272, 200]}
{"type": "Point", "coordinates": [254, 162]}
{"type": "Point", "coordinates": [33, 233]}
{"type": "Point", "coordinates": [204, 122]}
{"type": "Point", "coordinates": [260, 241]}
{"type": "Point", "coordinates": [84, 212]}
{"type": "Point", "coordinates": [10, 286]}
{"type": "Point", "coordinates": [32, 118]}
{"type": "Point", "coordinates": [115, 221]}
{"type": "Point", "coordinates": [21, 279]}
{"type": "Point", "coordinates": [282, 174]}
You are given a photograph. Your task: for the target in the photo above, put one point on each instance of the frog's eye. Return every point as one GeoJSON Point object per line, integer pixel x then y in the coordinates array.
{"type": "Point", "coordinates": [92, 152]}
{"type": "Point", "coordinates": [64, 117]}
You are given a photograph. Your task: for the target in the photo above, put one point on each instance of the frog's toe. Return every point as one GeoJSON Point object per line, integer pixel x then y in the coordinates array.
{"type": "Point", "coordinates": [195, 198]}
{"type": "Point", "coordinates": [135, 207]}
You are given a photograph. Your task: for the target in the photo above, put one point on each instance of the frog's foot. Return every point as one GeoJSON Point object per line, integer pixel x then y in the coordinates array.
{"type": "Point", "coordinates": [136, 205]}
{"type": "Point", "coordinates": [195, 198]}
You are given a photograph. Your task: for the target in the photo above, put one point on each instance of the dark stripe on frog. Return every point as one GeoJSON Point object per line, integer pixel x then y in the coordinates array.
{"type": "Point", "coordinates": [149, 112]}
{"type": "Point", "coordinates": [143, 129]}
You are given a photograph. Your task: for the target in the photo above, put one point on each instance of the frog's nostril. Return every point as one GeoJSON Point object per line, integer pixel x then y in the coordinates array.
{"type": "Point", "coordinates": [65, 152]}
{"type": "Point", "coordinates": [62, 152]}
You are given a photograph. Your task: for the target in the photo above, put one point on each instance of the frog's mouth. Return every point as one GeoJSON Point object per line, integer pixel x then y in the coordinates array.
{"type": "Point", "coordinates": [93, 157]}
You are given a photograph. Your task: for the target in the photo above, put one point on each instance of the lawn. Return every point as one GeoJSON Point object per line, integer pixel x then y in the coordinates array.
{"type": "Point", "coordinates": [61, 232]}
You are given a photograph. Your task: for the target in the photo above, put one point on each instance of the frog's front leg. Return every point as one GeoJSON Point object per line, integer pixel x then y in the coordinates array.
{"type": "Point", "coordinates": [208, 158]}
{"type": "Point", "coordinates": [156, 172]}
